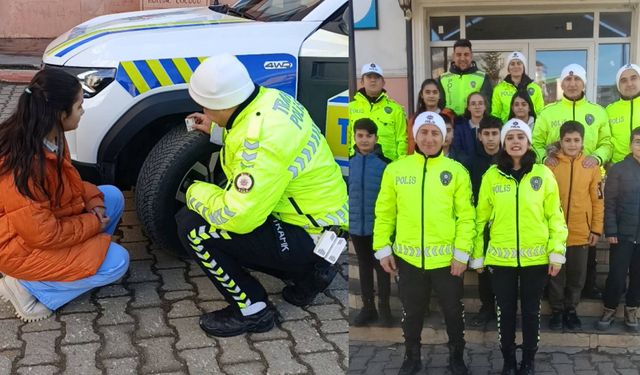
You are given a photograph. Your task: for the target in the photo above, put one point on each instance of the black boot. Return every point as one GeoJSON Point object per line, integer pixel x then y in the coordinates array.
{"type": "Point", "coordinates": [510, 365]}
{"type": "Point", "coordinates": [229, 322]}
{"type": "Point", "coordinates": [456, 359]}
{"type": "Point", "coordinates": [304, 292]}
{"type": "Point", "coordinates": [367, 315]}
{"type": "Point", "coordinates": [412, 363]}
{"type": "Point", "coordinates": [527, 366]}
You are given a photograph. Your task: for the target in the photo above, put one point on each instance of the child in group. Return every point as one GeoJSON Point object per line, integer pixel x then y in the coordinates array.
{"type": "Point", "coordinates": [467, 125]}
{"type": "Point", "coordinates": [477, 164]}
{"type": "Point", "coordinates": [447, 146]}
{"type": "Point", "coordinates": [583, 207]}
{"type": "Point", "coordinates": [366, 167]}
{"type": "Point", "coordinates": [621, 223]}
{"type": "Point", "coordinates": [56, 238]}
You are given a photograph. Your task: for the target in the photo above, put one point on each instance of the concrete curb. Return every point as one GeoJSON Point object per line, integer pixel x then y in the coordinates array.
{"type": "Point", "coordinates": [16, 76]}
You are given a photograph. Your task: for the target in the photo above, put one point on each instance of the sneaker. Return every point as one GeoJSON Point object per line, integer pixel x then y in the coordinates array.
{"type": "Point", "coordinates": [304, 292]}
{"type": "Point", "coordinates": [607, 318]}
{"type": "Point", "coordinates": [366, 316]}
{"type": "Point", "coordinates": [631, 317]}
{"type": "Point", "coordinates": [485, 315]}
{"type": "Point", "coordinates": [28, 308]}
{"type": "Point", "coordinates": [230, 322]}
{"type": "Point", "coordinates": [555, 323]}
{"type": "Point", "coordinates": [571, 320]}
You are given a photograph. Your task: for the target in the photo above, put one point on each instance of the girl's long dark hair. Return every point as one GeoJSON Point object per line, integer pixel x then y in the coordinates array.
{"type": "Point", "coordinates": [50, 94]}
{"type": "Point", "coordinates": [420, 107]}
{"type": "Point", "coordinates": [505, 162]}
{"type": "Point", "coordinates": [524, 95]}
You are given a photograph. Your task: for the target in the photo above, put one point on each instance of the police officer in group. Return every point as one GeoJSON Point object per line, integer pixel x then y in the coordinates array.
{"type": "Point", "coordinates": [372, 101]}
{"type": "Point", "coordinates": [464, 78]}
{"type": "Point", "coordinates": [516, 81]}
{"type": "Point", "coordinates": [415, 229]}
{"type": "Point", "coordinates": [573, 106]}
{"type": "Point", "coordinates": [527, 239]}
{"type": "Point", "coordinates": [284, 189]}
{"type": "Point", "coordinates": [624, 114]}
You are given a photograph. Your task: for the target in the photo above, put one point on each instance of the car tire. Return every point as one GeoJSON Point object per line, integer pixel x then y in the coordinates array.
{"type": "Point", "coordinates": [179, 158]}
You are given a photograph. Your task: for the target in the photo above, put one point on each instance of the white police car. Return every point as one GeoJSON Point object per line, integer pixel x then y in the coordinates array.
{"type": "Point", "coordinates": [134, 68]}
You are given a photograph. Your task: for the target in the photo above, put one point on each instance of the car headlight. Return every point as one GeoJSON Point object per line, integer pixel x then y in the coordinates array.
{"type": "Point", "coordinates": [93, 80]}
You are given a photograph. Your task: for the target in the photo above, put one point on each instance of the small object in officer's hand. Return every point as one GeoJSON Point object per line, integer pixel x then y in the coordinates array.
{"type": "Point", "coordinates": [189, 122]}
{"type": "Point", "coordinates": [330, 246]}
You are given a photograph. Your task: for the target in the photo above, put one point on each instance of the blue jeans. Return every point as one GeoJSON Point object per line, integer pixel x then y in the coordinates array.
{"type": "Point", "coordinates": [54, 294]}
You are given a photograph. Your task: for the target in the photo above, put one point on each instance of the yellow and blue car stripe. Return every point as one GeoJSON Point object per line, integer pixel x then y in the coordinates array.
{"type": "Point", "coordinates": [139, 76]}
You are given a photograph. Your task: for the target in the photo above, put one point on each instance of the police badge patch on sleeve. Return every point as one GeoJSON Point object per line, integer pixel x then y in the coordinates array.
{"type": "Point", "coordinates": [536, 183]}
{"type": "Point", "coordinates": [243, 182]}
{"type": "Point", "coordinates": [445, 178]}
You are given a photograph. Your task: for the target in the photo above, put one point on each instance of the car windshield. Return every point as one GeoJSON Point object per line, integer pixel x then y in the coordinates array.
{"type": "Point", "coordinates": [273, 10]}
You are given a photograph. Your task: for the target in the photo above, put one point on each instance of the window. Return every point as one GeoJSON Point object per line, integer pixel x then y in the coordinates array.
{"type": "Point", "coordinates": [445, 28]}
{"type": "Point", "coordinates": [610, 58]}
{"type": "Point", "coordinates": [530, 26]}
{"type": "Point", "coordinates": [615, 25]}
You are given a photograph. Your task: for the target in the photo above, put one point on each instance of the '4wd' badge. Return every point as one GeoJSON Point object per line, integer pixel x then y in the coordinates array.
{"type": "Point", "coordinates": [530, 91]}
{"type": "Point", "coordinates": [536, 183]}
{"type": "Point", "coordinates": [445, 178]}
{"type": "Point", "coordinates": [388, 109]}
{"type": "Point", "coordinates": [473, 84]}
{"type": "Point", "coordinates": [588, 118]}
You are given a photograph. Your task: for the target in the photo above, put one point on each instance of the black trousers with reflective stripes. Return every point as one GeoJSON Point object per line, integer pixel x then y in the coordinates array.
{"type": "Point", "coordinates": [529, 283]}
{"type": "Point", "coordinates": [413, 284]}
{"type": "Point", "coordinates": [276, 248]}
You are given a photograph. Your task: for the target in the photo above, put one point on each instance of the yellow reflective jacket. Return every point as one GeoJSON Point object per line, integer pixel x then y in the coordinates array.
{"type": "Point", "coordinates": [277, 162]}
{"type": "Point", "coordinates": [597, 136]}
{"type": "Point", "coordinates": [503, 93]}
{"type": "Point", "coordinates": [389, 117]}
{"type": "Point", "coordinates": [527, 225]}
{"type": "Point", "coordinates": [425, 212]}
{"type": "Point", "coordinates": [624, 116]}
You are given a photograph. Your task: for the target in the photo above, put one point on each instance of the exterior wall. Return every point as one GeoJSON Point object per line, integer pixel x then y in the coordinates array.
{"type": "Point", "coordinates": [386, 45]}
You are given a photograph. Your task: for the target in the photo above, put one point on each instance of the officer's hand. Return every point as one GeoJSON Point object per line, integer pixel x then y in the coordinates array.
{"type": "Point", "coordinates": [612, 240]}
{"type": "Point", "coordinates": [593, 239]}
{"type": "Point", "coordinates": [554, 269]}
{"type": "Point", "coordinates": [388, 264]}
{"type": "Point", "coordinates": [203, 123]}
{"type": "Point", "coordinates": [457, 267]}
{"type": "Point", "coordinates": [590, 162]}
{"type": "Point", "coordinates": [551, 161]}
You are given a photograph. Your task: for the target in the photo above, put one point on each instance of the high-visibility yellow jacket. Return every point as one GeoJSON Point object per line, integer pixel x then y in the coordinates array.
{"type": "Point", "coordinates": [624, 116]}
{"type": "Point", "coordinates": [390, 118]}
{"type": "Point", "coordinates": [597, 136]}
{"type": "Point", "coordinates": [458, 84]}
{"type": "Point", "coordinates": [277, 162]}
{"type": "Point", "coordinates": [425, 212]}
{"type": "Point", "coordinates": [503, 94]}
{"type": "Point", "coordinates": [527, 226]}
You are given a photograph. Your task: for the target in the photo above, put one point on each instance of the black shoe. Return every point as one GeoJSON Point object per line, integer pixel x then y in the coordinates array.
{"type": "Point", "coordinates": [555, 323]}
{"type": "Point", "coordinates": [412, 363]}
{"type": "Point", "coordinates": [230, 322]}
{"type": "Point", "coordinates": [365, 317]}
{"type": "Point", "coordinates": [304, 292]}
{"type": "Point", "coordinates": [510, 365]}
{"type": "Point", "coordinates": [484, 316]}
{"type": "Point", "coordinates": [456, 360]}
{"type": "Point", "coordinates": [386, 319]}
{"type": "Point", "coordinates": [571, 320]}
{"type": "Point", "coordinates": [527, 366]}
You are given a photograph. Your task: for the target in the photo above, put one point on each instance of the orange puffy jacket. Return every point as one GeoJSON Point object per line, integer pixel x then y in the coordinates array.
{"type": "Point", "coordinates": [39, 242]}
{"type": "Point", "coordinates": [582, 198]}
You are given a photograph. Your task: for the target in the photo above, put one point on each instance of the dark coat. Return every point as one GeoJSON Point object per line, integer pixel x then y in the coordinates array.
{"type": "Point", "coordinates": [622, 200]}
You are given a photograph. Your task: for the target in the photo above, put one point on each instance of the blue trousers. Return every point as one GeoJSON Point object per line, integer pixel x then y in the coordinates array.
{"type": "Point", "coordinates": [55, 294]}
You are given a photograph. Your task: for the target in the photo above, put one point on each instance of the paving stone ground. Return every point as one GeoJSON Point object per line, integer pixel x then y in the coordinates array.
{"type": "Point", "coordinates": [386, 358]}
{"type": "Point", "coordinates": [147, 323]}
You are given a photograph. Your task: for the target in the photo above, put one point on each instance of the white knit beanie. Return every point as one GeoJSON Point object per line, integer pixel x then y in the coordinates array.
{"type": "Point", "coordinates": [515, 55]}
{"type": "Point", "coordinates": [429, 118]}
{"type": "Point", "coordinates": [220, 82]}
{"type": "Point", "coordinates": [515, 124]}
{"type": "Point", "coordinates": [574, 70]}
{"type": "Point", "coordinates": [626, 67]}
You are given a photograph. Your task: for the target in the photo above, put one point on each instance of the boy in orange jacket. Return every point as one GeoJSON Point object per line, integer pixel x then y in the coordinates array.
{"type": "Point", "coordinates": [583, 206]}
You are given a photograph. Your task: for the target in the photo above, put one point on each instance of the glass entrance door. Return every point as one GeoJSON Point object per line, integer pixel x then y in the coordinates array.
{"type": "Point", "coordinates": [548, 61]}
